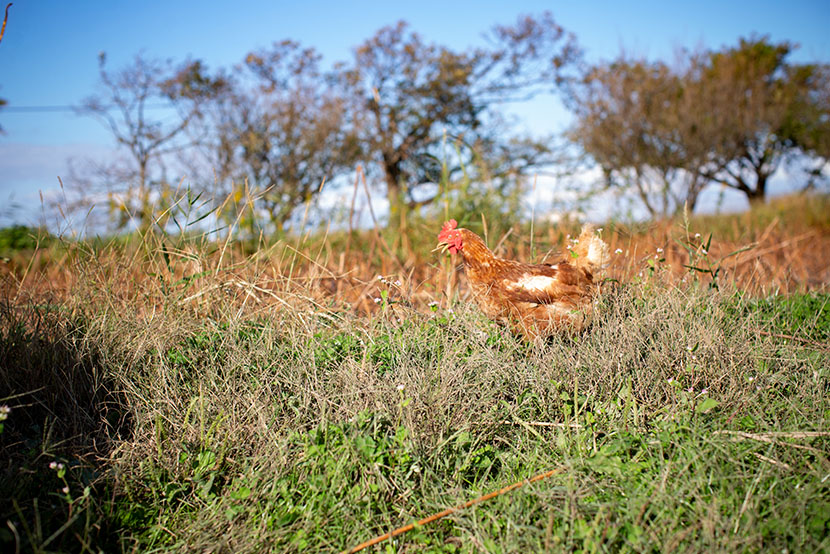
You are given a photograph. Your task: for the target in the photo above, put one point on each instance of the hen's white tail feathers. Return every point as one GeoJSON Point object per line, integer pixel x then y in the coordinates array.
{"type": "Point", "coordinates": [592, 251]}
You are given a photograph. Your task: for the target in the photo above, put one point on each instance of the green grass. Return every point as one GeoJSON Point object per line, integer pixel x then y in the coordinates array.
{"type": "Point", "coordinates": [19, 237]}
{"type": "Point", "coordinates": [806, 315]}
{"type": "Point", "coordinates": [677, 425]}
{"type": "Point", "coordinates": [162, 403]}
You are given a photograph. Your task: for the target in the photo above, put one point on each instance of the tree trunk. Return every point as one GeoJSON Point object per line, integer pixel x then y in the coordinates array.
{"type": "Point", "coordinates": [398, 207]}
{"type": "Point", "coordinates": [693, 190]}
{"type": "Point", "coordinates": [145, 217]}
{"type": "Point", "coordinates": [758, 195]}
{"type": "Point", "coordinates": [394, 190]}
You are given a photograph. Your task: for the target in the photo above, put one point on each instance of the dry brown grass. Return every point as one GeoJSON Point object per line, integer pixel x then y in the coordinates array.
{"type": "Point", "coordinates": [249, 399]}
{"type": "Point", "coordinates": [783, 248]}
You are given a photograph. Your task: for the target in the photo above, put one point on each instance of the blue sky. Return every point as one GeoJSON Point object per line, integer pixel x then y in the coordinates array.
{"type": "Point", "coordinates": [48, 56]}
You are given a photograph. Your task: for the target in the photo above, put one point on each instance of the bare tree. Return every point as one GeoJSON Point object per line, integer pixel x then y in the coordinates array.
{"type": "Point", "coordinates": [137, 178]}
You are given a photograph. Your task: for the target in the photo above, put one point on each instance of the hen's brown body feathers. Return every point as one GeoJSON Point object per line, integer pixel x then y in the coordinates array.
{"type": "Point", "coordinates": [536, 300]}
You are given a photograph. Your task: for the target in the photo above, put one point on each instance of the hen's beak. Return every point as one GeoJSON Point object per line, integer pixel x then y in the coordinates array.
{"type": "Point", "coordinates": [442, 247]}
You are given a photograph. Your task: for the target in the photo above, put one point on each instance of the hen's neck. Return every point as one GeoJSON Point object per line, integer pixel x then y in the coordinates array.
{"type": "Point", "coordinates": [477, 256]}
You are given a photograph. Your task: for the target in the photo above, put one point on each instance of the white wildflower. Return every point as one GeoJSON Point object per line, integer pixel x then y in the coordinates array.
{"type": "Point", "coordinates": [659, 250]}
{"type": "Point", "coordinates": [618, 251]}
{"type": "Point", "coordinates": [65, 490]}
{"type": "Point", "coordinates": [378, 300]}
{"type": "Point", "coordinates": [400, 387]}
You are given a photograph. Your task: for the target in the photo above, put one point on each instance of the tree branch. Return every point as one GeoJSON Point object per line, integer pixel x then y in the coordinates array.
{"type": "Point", "coordinates": [5, 20]}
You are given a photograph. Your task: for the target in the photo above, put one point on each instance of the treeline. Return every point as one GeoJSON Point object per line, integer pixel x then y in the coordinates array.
{"type": "Point", "coordinates": [729, 117]}
{"type": "Point", "coordinates": [423, 119]}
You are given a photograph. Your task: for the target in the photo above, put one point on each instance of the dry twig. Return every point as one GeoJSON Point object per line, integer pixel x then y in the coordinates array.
{"type": "Point", "coordinates": [5, 19]}
{"type": "Point", "coordinates": [772, 437]}
{"type": "Point", "coordinates": [771, 461]}
{"type": "Point", "coordinates": [448, 511]}
{"type": "Point", "coordinates": [818, 345]}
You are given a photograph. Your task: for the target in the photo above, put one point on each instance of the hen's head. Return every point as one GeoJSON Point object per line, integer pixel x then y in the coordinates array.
{"type": "Point", "coordinates": [450, 237]}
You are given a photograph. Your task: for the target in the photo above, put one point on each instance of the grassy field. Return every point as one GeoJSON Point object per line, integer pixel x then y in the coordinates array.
{"type": "Point", "coordinates": [172, 394]}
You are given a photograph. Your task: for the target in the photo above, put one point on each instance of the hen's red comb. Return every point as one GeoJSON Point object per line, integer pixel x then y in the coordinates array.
{"type": "Point", "coordinates": [449, 226]}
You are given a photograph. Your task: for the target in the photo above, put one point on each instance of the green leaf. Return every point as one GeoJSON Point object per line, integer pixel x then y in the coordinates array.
{"type": "Point", "coordinates": [706, 405]}
{"type": "Point", "coordinates": [241, 494]}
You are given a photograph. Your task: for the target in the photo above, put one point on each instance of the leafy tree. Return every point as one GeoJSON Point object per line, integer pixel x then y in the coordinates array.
{"type": "Point", "coordinates": [629, 118]}
{"type": "Point", "coordinates": [810, 124]}
{"type": "Point", "coordinates": [280, 129]}
{"type": "Point", "coordinates": [728, 117]}
{"type": "Point", "coordinates": [411, 94]}
{"type": "Point", "coordinates": [748, 98]}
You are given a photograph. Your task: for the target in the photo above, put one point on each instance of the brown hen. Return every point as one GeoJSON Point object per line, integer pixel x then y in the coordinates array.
{"type": "Point", "coordinates": [535, 300]}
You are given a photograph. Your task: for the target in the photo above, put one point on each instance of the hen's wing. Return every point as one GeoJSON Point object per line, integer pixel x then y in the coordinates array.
{"type": "Point", "coordinates": [544, 284]}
